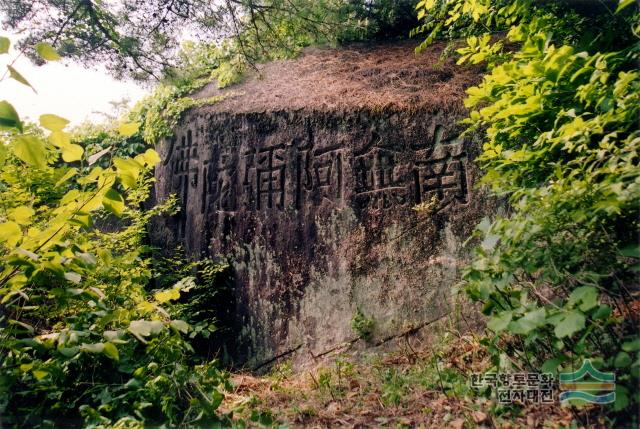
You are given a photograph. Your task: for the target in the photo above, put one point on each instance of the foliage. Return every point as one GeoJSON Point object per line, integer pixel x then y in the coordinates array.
{"type": "Point", "coordinates": [81, 341]}
{"type": "Point", "coordinates": [106, 142]}
{"type": "Point", "coordinates": [140, 39]}
{"type": "Point", "coordinates": [202, 304]}
{"type": "Point", "coordinates": [559, 104]}
{"type": "Point", "coordinates": [362, 325]}
{"type": "Point", "coordinates": [379, 20]}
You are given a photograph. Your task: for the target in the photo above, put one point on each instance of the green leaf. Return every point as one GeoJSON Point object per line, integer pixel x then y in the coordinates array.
{"type": "Point", "coordinates": [180, 325]}
{"type": "Point", "coordinates": [529, 322]}
{"type": "Point", "coordinates": [73, 277]}
{"type": "Point", "coordinates": [9, 117]}
{"type": "Point", "coordinates": [47, 52]}
{"type": "Point", "coordinates": [87, 258]}
{"type": "Point", "coordinates": [5, 43]}
{"type": "Point", "coordinates": [569, 324]}
{"type": "Point", "coordinates": [92, 348]}
{"type": "Point", "coordinates": [83, 219]}
{"type": "Point", "coordinates": [68, 175]}
{"type": "Point", "coordinates": [551, 365]}
{"type": "Point", "coordinates": [31, 150]}
{"type": "Point", "coordinates": [21, 214]}
{"type": "Point", "coordinates": [68, 351]}
{"type": "Point", "coordinates": [631, 251]}
{"type": "Point", "coordinates": [111, 351]}
{"type": "Point", "coordinates": [128, 171]}
{"type": "Point", "coordinates": [622, 398]}
{"type": "Point", "coordinates": [14, 74]}
{"type": "Point", "coordinates": [490, 241]}
{"type": "Point", "coordinates": [53, 122]}
{"type": "Point", "coordinates": [10, 233]}
{"type": "Point", "coordinates": [145, 328]}
{"type": "Point", "coordinates": [150, 157]}
{"type": "Point", "coordinates": [500, 322]}
{"type": "Point", "coordinates": [631, 346]}
{"type": "Point", "coordinates": [602, 312]}
{"type": "Point", "coordinates": [113, 202]}
{"type": "Point", "coordinates": [623, 4]}
{"type": "Point", "coordinates": [622, 360]}
{"type": "Point", "coordinates": [587, 296]}
{"type": "Point", "coordinates": [72, 152]}
{"type": "Point", "coordinates": [60, 139]}
{"type": "Point", "coordinates": [129, 129]}
{"type": "Point", "coordinates": [39, 374]}
{"type": "Point", "coordinates": [167, 295]}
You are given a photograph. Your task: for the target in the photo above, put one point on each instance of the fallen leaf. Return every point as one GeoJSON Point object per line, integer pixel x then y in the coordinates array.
{"type": "Point", "coordinates": [457, 424]}
{"type": "Point", "coordinates": [479, 416]}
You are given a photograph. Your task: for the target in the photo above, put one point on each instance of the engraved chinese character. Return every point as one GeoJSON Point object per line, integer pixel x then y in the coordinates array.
{"type": "Point", "coordinates": [376, 179]}
{"type": "Point", "coordinates": [264, 176]}
{"type": "Point", "coordinates": [223, 178]}
{"type": "Point", "coordinates": [443, 175]}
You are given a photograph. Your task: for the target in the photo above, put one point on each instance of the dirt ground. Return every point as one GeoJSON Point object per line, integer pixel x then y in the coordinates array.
{"type": "Point", "coordinates": [414, 386]}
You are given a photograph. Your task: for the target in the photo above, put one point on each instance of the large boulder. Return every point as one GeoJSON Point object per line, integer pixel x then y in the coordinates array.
{"type": "Point", "coordinates": [306, 178]}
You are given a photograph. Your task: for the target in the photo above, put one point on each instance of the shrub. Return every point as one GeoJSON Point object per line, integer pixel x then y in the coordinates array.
{"type": "Point", "coordinates": [559, 105]}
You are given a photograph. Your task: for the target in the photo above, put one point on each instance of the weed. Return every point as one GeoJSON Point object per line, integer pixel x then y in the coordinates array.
{"type": "Point", "coordinates": [362, 325]}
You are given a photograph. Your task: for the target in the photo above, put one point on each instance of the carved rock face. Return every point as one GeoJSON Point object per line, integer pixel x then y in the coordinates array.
{"type": "Point", "coordinates": [314, 210]}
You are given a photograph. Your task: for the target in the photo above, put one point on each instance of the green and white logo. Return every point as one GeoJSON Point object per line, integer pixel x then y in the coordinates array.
{"type": "Point", "coordinates": [588, 384]}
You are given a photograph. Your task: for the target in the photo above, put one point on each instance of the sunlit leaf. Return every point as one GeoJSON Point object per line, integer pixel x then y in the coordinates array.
{"type": "Point", "coordinates": [150, 157]}
{"type": "Point", "coordinates": [39, 374]}
{"type": "Point", "coordinates": [60, 139]}
{"type": "Point", "coordinates": [92, 348]}
{"type": "Point", "coordinates": [9, 117]}
{"type": "Point", "coordinates": [14, 74]}
{"type": "Point", "coordinates": [83, 219]}
{"type": "Point", "coordinates": [31, 150]}
{"type": "Point", "coordinates": [72, 152]}
{"type": "Point", "coordinates": [68, 175]}
{"type": "Point", "coordinates": [167, 295]}
{"type": "Point", "coordinates": [47, 52]}
{"type": "Point", "coordinates": [529, 322]}
{"type": "Point", "coordinates": [111, 351]}
{"type": "Point", "coordinates": [623, 4]}
{"type": "Point", "coordinates": [128, 171]}
{"type": "Point", "coordinates": [21, 214]}
{"type": "Point", "coordinates": [53, 122]}
{"type": "Point", "coordinates": [28, 254]}
{"type": "Point", "coordinates": [73, 277]}
{"type": "Point", "coordinates": [129, 129]}
{"type": "Point", "coordinates": [5, 43]}
{"type": "Point", "coordinates": [145, 328]}
{"type": "Point", "coordinates": [86, 257]}
{"type": "Point", "coordinates": [113, 202]}
{"type": "Point", "coordinates": [69, 351]}
{"type": "Point", "coordinates": [180, 325]}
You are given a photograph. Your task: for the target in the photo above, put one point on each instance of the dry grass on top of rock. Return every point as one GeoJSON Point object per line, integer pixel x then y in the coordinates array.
{"type": "Point", "coordinates": [374, 76]}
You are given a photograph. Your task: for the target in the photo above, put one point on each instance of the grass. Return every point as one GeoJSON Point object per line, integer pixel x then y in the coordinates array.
{"type": "Point", "coordinates": [409, 387]}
